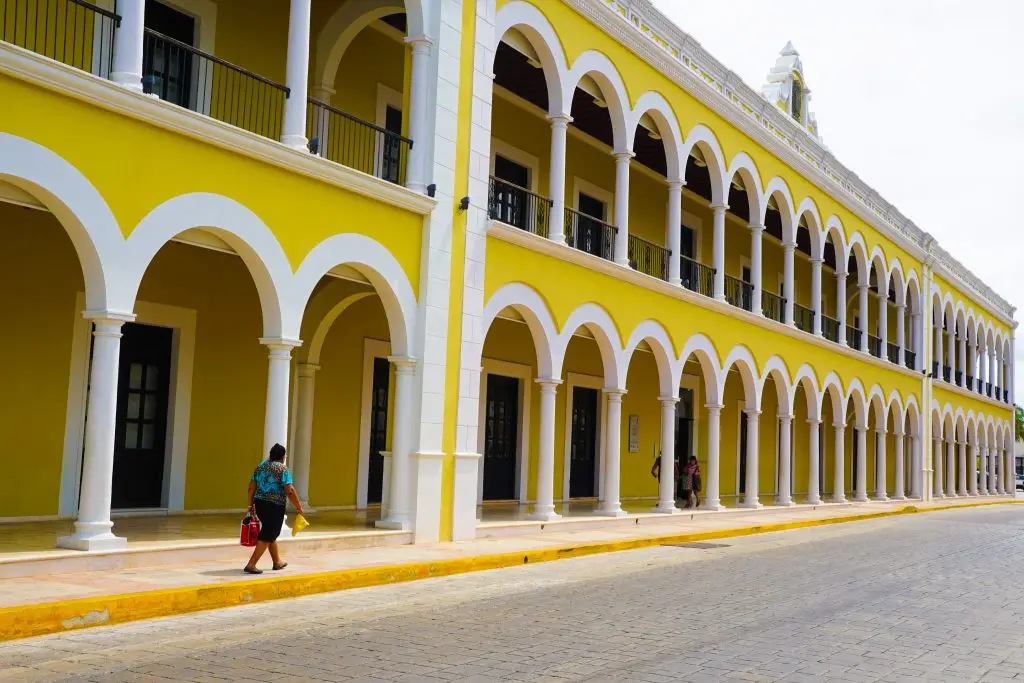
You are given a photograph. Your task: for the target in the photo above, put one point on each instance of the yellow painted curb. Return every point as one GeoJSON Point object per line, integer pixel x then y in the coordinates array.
{"type": "Point", "coordinates": [54, 617]}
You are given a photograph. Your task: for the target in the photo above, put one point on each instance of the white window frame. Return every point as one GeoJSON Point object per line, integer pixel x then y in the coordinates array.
{"type": "Point", "coordinates": [695, 223]}
{"type": "Point", "coordinates": [580, 185]}
{"type": "Point", "coordinates": [573, 380]}
{"type": "Point", "coordinates": [372, 349]}
{"type": "Point", "coordinates": [512, 153]}
{"type": "Point", "coordinates": [524, 373]}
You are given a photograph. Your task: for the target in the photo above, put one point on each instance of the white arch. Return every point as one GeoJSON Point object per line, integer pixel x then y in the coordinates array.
{"type": "Point", "coordinates": [700, 347]}
{"type": "Point", "coordinates": [79, 208]}
{"type": "Point", "coordinates": [529, 21]}
{"type": "Point", "coordinates": [805, 377]}
{"type": "Point", "coordinates": [900, 414]}
{"type": "Point", "coordinates": [876, 400]}
{"type": "Point", "coordinates": [745, 167]}
{"type": "Point", "coordinates": [912, 416]}
{"type": "Point", "coordinates": [880, 265]}
{"type": "Point", "coordinates": [814, 225]}
{"type": "Point", "coordinates": [776, 368]}
{"type": "Point", "coordinates": [777, 187]}
{"type": "Point", "coordinates": [529, 304]}
{"type": "Point", "coordinates": [834, 228]}
{"type": "Point", "coordinates": [347, 21]}
{"type": "Point", "coordinates": [243, 230]}
{"type": "Point", "coordinates": [859, 250]}
{"type": "Point", "coordinates": [613, 91]}
{"type": "Point", "coordinates": [741, 357]}
{"type": "Point", "coordinates": [655, 104]}
{"type": "Point", "coordinates": [315, 344]}
{"type": "Point", "coordinates": [832, 388]}
{"type": "Point", "coordinates": [912, 293]}
{"type": "Point", "coordinates": [856, 396]}
{"type": "Point", "coordinates": [372, 260]}
{"type": "Point", "coordinates": [669, 370]}
{"type": "Point", "coordinates": [899, 281]}
{"type": "Point", "coordinates": [600, 324]}
{"type": "Point", "coordinates": [701, 137]}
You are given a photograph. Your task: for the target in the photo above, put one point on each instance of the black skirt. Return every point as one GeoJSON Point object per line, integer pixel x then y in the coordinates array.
{"type": "Point", "coordinates": [271, 518]}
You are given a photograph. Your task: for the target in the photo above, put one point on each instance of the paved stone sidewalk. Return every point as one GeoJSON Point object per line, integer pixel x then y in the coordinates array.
{"type": "Point", "coordinates": [934, 597]}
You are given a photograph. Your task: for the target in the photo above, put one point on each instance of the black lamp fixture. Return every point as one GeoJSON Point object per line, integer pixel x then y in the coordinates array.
{"type": "Point", "coordinates": [431, 189]}
{"type": "Point", "coordinates": [463, 203]}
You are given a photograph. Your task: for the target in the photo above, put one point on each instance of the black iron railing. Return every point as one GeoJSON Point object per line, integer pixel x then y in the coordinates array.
{"type": "Point", "coordinates": [910, 359]}
{"type": "Point", "coordinates": [696, 276]}
{"type": "Point", "coordinates": [1006, 395]}
{"type": "Point", "coordinates": [893, 353]}
{"type": "Point", "coordinates": [830, 328]}
{"type": "Point", "coordinates": [947, 373]}
{"type": "Point", "coordinates": [971, 383]}
{"type": "Point", "coordinates": [988, 389]}
{"type": "Point", "coordinates": [589, 234]}
{"type": "Point", "coordinates": [803, 318]}
{"type": "Point", "coordinates": [353, 142]}
{"type": "Point", "coordinates": [959, 375]}
{"type": "Point", "coordinates": [518, 207]}
{"type": "Point", "coordinates": [648, 257]}
{"type": "Point", "coordinates": [875, 346]}
{"type": "Point", "coordinates": [935, 369]}
{"type": "Point", "coordinates": [773, 306]}
{"type": "Point", "coordinates": [72, 32]}
{"type": "Point", "coordinates": [853, 336]}
{"type": "Point", "coordinates": [179, 73]}
{"type": "Point", "coordinates": [739, 293]}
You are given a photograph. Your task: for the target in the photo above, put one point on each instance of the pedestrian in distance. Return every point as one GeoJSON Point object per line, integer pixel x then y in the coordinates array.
{"type": "Point", "coordinates": [656, 472]}
{"type": "Point", "coordinates": [270, 488]}
{"type": "Point", "coordinates": [691, 482]}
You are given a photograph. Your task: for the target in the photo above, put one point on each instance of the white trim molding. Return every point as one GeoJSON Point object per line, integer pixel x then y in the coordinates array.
{"type": "Point", "coordinates": [523, 373]}
{"type": "Point", "coordinates": [573, 380]}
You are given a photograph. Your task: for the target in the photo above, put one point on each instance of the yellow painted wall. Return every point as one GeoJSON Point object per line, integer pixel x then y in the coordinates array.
{"type": "Point", "coordinates": [373, 58]}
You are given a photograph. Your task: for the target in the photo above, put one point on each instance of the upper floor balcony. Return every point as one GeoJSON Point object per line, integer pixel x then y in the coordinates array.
{"type": "Point", "coordinates": [250, 70]}
{"type": "Point", "coordinates": [970, 352]}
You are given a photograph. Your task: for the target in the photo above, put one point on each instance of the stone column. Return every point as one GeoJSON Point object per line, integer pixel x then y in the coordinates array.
{"type": "Point", "coordinates": [972, 468]}
{"type": "Point", "coordinates": [841, 304]}
{"type": "Point", "coordinates": [128, 40]}
{"type": "Point", "coordinates": [916, 335]}
{"type": "Point", "coordinates": [719, 249]}
{"type": "Point", "coordinates": [712, 488]}
{"type": "Point", "coordinates": [750, 497]}
{"type": "Point", "coordinates": [1000, 459]}
{"type": "Point", "coordinates": [814, 456]}
{"type": "Point", "coordinates": [860, 493]}
{"type": "Point", "coordinates": [883, 319]}
{"type": "Point", "coordinates": [901, 342]}
{"type": "Point", "coordinates": [881, 494]}
{"type": "Point", "coordinates": [675, 222]}
{"type": "Point", "coordinates": [622, 160]}
{"type": "Point", "coordinates": [937, 351]}
{"type": "Point", "coordinates": [293, 130]}
{"type": "Point", "coordinates": [666, 485]}
{"type": "Point", "coordinates": [937, 466]}
{"type": "Point", "coordinates": [917, 467]}
{"type": "Point", "coordinates": [544, 510]}
{"type": "Point", "coordinates": [556, 179]}
{"type": "Point", "coordinates": [863, 301]}
{"type": "Point", "coordinates": [951, 468]}
{"type": "Point", "coordinates": [93, 528]}
{"type": "Point", "coordinates": [419, 106]}
{"type": "Point", "coordinates": [899, 486]}
{"type": "Point", "coordinates": [305, 391]}
{"type": "Point", "coordinates": [816, 296]}
{"type": "Point", "coordinates": [275, 425]}
{"type": "Point", "coordinates": [990, 464]}
{"type": "Point", "coordinates": [962, 361]}
{"type": "Point", "coordinates": [756, 267]}
{"type": "Point", "coordinates": [962, 469]}
{"type": "Point", "coordinates": [951, 353]}
{"type": "Point", "coordinates": [399, 499]}
{"type": "Point", "coordinates": [838, 476]}
{"type": "Point", "coordinates": [612, 449]}
{"type": "Point", "coordinates": [784, 496]}
{"type": "Point", "coordinates": [788, 285]}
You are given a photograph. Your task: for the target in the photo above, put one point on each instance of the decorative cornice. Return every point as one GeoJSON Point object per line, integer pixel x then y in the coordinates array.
{"type": "Point", "coordinates": [38, 70]}
{"type": "Point", "coordinates": [639, 26]}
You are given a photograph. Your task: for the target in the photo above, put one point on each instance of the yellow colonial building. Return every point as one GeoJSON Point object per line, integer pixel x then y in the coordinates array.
{"type": "Point", "coordinates": [474, 262]}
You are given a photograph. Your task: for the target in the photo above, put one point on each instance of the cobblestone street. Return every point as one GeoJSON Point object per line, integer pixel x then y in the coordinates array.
{"type": "Point", "coordinates": [935, 597]}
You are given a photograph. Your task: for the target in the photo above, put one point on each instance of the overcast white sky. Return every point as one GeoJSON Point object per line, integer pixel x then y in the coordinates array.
{"type": "Point", "coordinates": [921, 98]}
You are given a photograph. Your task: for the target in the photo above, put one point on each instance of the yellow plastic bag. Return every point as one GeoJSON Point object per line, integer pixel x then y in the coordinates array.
{"type": "Point", "coordinates": [300, 524]}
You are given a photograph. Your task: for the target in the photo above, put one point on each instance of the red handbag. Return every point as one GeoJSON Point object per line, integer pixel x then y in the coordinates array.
{"type": "Point", "coordinates": [250, 530]}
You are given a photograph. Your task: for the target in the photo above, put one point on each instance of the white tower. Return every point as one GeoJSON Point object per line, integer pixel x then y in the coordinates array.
{"type": "Point", "coordinates": [787, 89]}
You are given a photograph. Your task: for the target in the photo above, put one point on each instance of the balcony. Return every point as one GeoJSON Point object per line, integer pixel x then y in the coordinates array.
{"type": "Point", "coordinates": [739, 293]}
{"type": "Point", "coordinates": [875, 346]}
{"type": "Point", "coordinates": [773, 306]}
{"type": "Point", "coordinates": [696, 276]}
{"type": "Point", "coordinates": [1006, 395]}
{"type": "Point", "coordinates": [947, 373]}
{"type": "Point", "coordinates": [959, 377]}
{"type": "Point", "coordinates": [518, 207]}
{"type": "Point", "coordinates": [893, 353]}
{"type": "Point", "coordinates": [830, 329]}
{"type": "Point", "coordinates": [970, 383]}
{"type": "Point", "coordinates": [910, 359]}
{"type": "Point", "coordinates": [647, 257]}
{"type": "Point", "coordinates": [803, 318]}
{"type": "Point", "coordinates": [853, 337]}
{"type": "Point", "coordinates": [347, 140]}
{"type": "Point", "coordinates": [590, 235]}
{"type": "Point", "coordinates": [988, 389]}
{"type": "Point", "coordinates": [72, 32]}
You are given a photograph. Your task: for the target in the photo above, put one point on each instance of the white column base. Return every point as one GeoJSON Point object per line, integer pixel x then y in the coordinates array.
{"type": "Point", "coordinates": [546, 514]}
{"type": "Point", "coordinates": [127, 80]}
{"type": "Point", "coordinates": [393, 524]}
{"type": "Point", "coordinates": [814, 501]}
{"type": "Point", "coordinates": [97, 536]}
{"type": "Point", "coordinates": [665, 509]}
{"type": "Point", "coordinates": [714, 505]}
{"type": "Point", "coordinates": [899, 498]}
{"type": "Point", "coordinates": [839, 500]}
{"type": "Point", "coordinates": [881, 499]}
{"type": "Point", "coordinates": [297, 142]}
{"type": "Point", "coordinates": [861, 498]}
{"type": "Point", "coordinates": [615, 511]}
{"type": "Point", "coordinates": [751, 506]}
{"type": "Point", "coordinates": [676, 281]}
{"type": "Point", "coordinates": [785, 503]}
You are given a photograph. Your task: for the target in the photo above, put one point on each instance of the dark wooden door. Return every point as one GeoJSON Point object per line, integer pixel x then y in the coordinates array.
{"type": "Point", "coordinates": [743, 455]}
{"type": "Point", "coordinates": [392, 166]}
{"type": "Point", "coordinates": [592, 234]}
{"type": "Point", "coordinates": [583, 454]}
{"type": "Point", "coordinates": [511, 200]}
{"type": "Point", "coordinates": [684, 432]}
{"type": "Point", "coordinates": [378, 428]}
{"type": "Point", "coordinates": [501, 437]}
{"type": "Point", "coordinates": [166, 66]}
{"type": "Point", "coordinates": [140, 434]}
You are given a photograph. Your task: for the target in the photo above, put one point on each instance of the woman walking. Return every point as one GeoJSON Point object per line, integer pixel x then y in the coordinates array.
{"type": "Point", "coordinates": [269, 490]}
{"type": "Point", "coordinates": [691, 482]}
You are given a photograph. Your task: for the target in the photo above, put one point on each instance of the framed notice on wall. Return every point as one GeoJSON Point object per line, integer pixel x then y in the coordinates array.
{"type": "Point", "coordinates": [634, 433]}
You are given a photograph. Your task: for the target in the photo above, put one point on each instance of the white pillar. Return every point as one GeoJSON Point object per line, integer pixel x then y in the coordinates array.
{"type": "Point", "coordinates": [1000, 459]}
{"type": "Point", "coordinates": [951, 353]}
{"type": "Point", "coordinates": [385, 469]}
{"type": "Point", "coordinates": [937, 351]}
{"type": "Point", "coordinates": [293, 131]}
{"type": "Point", "coordinates": [992, 369]}
{"type": "Point", "coordinates": [756, 267]}
{"type": "Point", "coordinates": [962, 489]}
{"type": "Point", "coordinates": [951, 468]}
{"type": "Point", "coordinates": [972, 469]}
{"type": "Point", "coordinates": [962, 361]}
{"type": "Point", "coordinates": [916, 467]}
{"type": "Point", "coordinates": [916, 335]}
{"type": "Point", "coordinates": [93, 528]}
{"type": "Point", "coordinates": [305, 382]}
{"type": "Point", "coordinates": [838, 476]}
{"type": "Point", "coordinates": [937, 466]}
{"type": "Point", "coordinates": [399, 497]}
{"type": "Point", "coordinates": [863, 313]}
{"type": "Point", "coordinates": [816, 295]}
{"type": "Point", "coordinates": [899, 485]}
{"type": "Point", "coordinates": [814, 468]}
{"type": "Point", "coordinates": [612, 450]}
{"type": "Point", "coordinates": [666, 485]}
{"type": "Point", "coordinates": [556, 188]}
{"type": "Point", "coordinates": [901, 341]}
{"type": "Point", "coordinates": [419, 86]}
{"type": "Point", "coordinates": [712, 499]}
{"type": "Point", "coordinates": [881, 493]}
{"type": "Point", "coordinates": [860, 493]}
{"type": "Point", "coordinates": [883, 319]}
{"type": "Point", "coordinates": [788, 288]}
{"type": "Point", "coordinates": [750, 499]}
{"type": "Point", "coordinates": [128, 40]}
{"type": "Point", "coordinates": [841, 304]}
{"type": "Point", "coordinates": [544, 510]}
{"type": "Point", "coordinates": [275, 424]}
{"type": "Point", "coordinates": [993, 488]}
{"type": "Point", "coordinates": [785, 425]}
{"type": "Point", "coordinates": [622, 160]}
{"type": "Point", "coordinates": [719, 249]}
{"type": "Point", "coordinates": [675, 222]}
